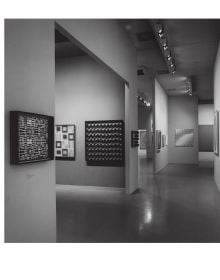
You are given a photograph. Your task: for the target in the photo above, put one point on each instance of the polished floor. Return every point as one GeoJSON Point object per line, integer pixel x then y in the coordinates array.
{"type": "Point", "coordinates": [180, 204]}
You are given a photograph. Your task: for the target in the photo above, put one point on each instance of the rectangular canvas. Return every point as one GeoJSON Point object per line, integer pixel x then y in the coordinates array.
{"type": "Point", "coordinates": [65, 139]}
{"type": "Point", "coordinates": [158, 139]}
{"type": "Point", "coordinates": [216, 133]}
{"type": "Point", "coordinates": [31, 137]}
{"type": "Point", "coordinates": [104, 143]}
{"type": "Point", "coordinates": [143, 139]}
{"type": "Point", "coordinates": [163, 140]}
{"type": "Point", "coordinates": [206, 138]}
{"type": "Point", "coordinates": [184, 137]}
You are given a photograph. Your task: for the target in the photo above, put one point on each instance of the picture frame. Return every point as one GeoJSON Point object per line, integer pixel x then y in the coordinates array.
{"type": "Point", "coordinates": [184, 137]}
{"type": "Point", "coordinates": [158, 139]}
{"type": "Point", "coordinates": [216, 134]}
{"type": "Point", "coordinates": [31, 137]}
{"type": "Point", "coordinates": [65, 142]}
{"type": "Point", "coordinates": [143, 139]}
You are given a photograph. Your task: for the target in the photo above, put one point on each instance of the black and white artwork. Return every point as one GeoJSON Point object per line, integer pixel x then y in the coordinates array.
{"type": "Point", "coordinates": [206, 138]}
{"type": "Point", "coordinates": [158, 139]}
{"type": "Point", "coordinates": [31, 137]}
{"type": "Point", "coordinates": [143, 139]}
{"type": "Point", "coordinates": [65, 137]}
{"type": "Point", "coordinates": [163, 140]}
{"type": "Point", "coordinates": [216, 133]}
{"type": "Point", "coordinates": [104, 143]}
{"type": "Point", "coordinates": [184, 137]}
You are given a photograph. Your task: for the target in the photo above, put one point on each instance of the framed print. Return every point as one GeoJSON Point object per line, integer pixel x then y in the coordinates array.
{"type": "Point", "coordinates": [163, 140]}
{"type": "Point", "coordinates": [216, 133]}
{"type": "Point", "coordinates": [158, 139]}
{"type": "Point", "coordinates": [65, 142]}
{"type": "Point", "coordinates": [184, 137]}
{"type": "Point", "coordinates": [31, 137]}
{"type": "Point", "coordinates": [143, 139]}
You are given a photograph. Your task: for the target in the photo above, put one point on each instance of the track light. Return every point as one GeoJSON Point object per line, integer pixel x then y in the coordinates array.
{"type": "Point", "coordinates": [173, 71]}
{"type": "Point", "coordinates": [172, 65]}
{"type": "Point", "coordinates": [169, 57]}
{"type": "Point", "coordinates": [165, 46]}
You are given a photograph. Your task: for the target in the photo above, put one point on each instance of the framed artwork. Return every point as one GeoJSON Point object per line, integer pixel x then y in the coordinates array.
{"type": "Point", "coordinates": [184, 137]}
{"type": "Point", "coordinates": [134, 138]}
{"type": "Point", "coordinates": [143, 139]}
{"type": "Point", "coordinates": [65, 142]}
{"type": "Point", "coordinates": [31, 137]}
{"type": "Point", "coordinates": [104, 143]}
{"type": "Point", "coordinates": [163, 140]}
{"type": "Point", "coordinates": [216, 133]}
{"type": "Point", "coordinates": [158, 139]}
{"type": "Point", "coordinates": [206, 138]}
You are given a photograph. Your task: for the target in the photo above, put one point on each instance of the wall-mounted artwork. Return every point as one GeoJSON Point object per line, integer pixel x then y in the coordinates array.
{"type": "Point", "coordinates": [184, 137]}
{"type": "Point", "coordinates": [216, 133]}
{"type": "Point", "coordinates": [143, 139]}
{"type": "Point", "coordinates": [163, 140]}
{"type": "Point", "coordinates": [206, 138]}
{"type": "Point", "coordinates": [158, 139]}
{"type": "Point", "coordinates": [134, 138]}
{"type": "Point", "coordinates": [65, 136]}
{"type": "Point", "coordinates": [104, 143]}
{"type": "Point", "coordinates": [31, 137]}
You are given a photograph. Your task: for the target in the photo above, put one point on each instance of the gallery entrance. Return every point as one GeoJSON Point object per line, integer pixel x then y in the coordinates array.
{"type": "Point", "coordinates": [145, 126]}
{"type": "Point", "coordinates": [89, 118]}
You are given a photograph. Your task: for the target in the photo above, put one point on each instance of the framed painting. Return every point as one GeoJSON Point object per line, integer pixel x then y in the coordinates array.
{"type": "Point", "coordinates": [158, 139]}
{"type": "Point", "coordinates": [143, 139]}
{"type": "Point", "coordinates": [31, 137]}
{"type": "Point", "coordinates": [216, 133]}
{"type": "Point", "coordinates": [184, 137]}
{"type": "Point", "coordinates": [65, 141]}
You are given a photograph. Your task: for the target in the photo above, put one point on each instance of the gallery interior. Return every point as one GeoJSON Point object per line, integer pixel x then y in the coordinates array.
{"type": "Point", "coordinates": [112, 130]}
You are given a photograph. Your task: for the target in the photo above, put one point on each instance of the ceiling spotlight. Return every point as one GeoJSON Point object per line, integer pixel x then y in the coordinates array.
{"type": "Point", "coordinates": [172, 65]}
{"type": "Point", "coordinates": [165, 46]}
{"type": "Point", "coordinates": [173, 71]}
{"type": "Point", "coordinates": [169, 57]}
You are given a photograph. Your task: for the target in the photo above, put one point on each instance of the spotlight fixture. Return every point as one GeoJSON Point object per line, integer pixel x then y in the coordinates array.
{"type": "Point", "coordinates": [169, 57]}
{"type": "Point", "coordinates": [165, 46]}
{"type": "Point", "coordinates": [145, 102]}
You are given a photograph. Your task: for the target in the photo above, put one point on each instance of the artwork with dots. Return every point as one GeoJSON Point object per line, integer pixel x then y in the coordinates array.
{"type": "Point", "coordinates": [31, 137]}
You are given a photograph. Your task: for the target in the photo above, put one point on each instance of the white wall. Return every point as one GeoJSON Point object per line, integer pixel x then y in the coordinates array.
{"type": "Point", "coordinates": [86, 90]}
{"type": "Point", "coordinates": [106, 40]}
{"type": "Point", "coordinates": [217, 107]}
{"type": "Point", "coordinates": [161, 123]}
{"type": "Point", "coordinates": [30, 199]}
{"type": "Point", "coordinates": [206, 117]}
{"type": "Point", "coordinates": [183, 113]}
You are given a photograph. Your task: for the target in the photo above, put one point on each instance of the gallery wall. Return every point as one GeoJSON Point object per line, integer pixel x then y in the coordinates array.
{"type": "Point", "coordinates": [87, 91]}
{"type": "Point", "coordinates": [217, 107]}
{"type": "Point", "coordinates": [161, 123]}
{"type": "Point", "coordinates": [108, 42]}
{"type": "Point", "coordinates": [183, 114]}
{"type": "Point", "coordinates": [30, 199]}
{"type": "Point", "coordinates": [206, 118]}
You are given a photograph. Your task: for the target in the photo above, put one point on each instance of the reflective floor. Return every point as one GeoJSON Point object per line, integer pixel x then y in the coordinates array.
{"type": "Point", "coordinates": [180, 204]}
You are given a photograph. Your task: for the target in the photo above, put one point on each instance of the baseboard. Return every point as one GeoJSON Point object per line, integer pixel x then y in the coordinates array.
{"type": "Point", "coordinates": [88, 188]}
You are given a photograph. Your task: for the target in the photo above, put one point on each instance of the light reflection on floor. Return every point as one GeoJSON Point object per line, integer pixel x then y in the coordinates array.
{"type": "Point", "coordinates": [180, 204]}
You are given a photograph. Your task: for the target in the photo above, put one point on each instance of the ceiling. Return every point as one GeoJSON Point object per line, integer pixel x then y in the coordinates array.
{"type": "Point", "coordinates": [65, 48]}
{"type": "Point", "coordinates": [193, 44]}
